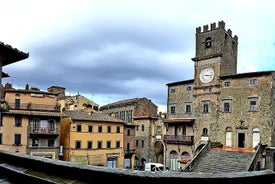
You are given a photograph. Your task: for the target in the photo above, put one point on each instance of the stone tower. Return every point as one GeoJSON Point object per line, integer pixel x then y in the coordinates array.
{"type": "Point", "coordinates": [216, 47]}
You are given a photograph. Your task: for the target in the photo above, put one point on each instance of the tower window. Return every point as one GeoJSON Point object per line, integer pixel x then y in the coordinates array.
{"type": "Point", "coordinates": [173, 90]}
{"type": "Point", "coordinates": [253, 82]}
{"type": "Point", "coordinates": [205, 106]}
{"type": "Point", "coordinates": [204, 132]}
{"type": "Point", "coordinates": [188, 88]}
{"type": "Point", "coordinates": [227, 84]}
{"type": "Point", "coordinates": [208, 42]}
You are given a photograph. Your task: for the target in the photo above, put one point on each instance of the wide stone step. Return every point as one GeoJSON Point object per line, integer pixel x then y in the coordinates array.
{"type": "Point", "coordinates": [219, 160]}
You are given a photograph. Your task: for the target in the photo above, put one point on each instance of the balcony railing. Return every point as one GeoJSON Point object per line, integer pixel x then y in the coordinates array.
{"type": "Point", "coordinates": [178, 139]}
{"type": "Point", "coordinates": [130, 151]}
{"type": "Point", "coordinates": [32, 106]}
{"type": "Point", "coordinates": [43, 132]}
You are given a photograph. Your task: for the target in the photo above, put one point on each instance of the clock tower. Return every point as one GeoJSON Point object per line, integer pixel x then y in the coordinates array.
{"type": "Point", "coordinates": [216, 55]}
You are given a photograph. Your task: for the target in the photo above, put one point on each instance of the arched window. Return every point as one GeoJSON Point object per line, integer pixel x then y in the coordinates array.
{"type": "Point", "coordinates": [185, 155]}
{"type": "Point", "coordinates": [204, 132]}
{"type": "Point", "coordinates": [174, 160]}
{"type": "Point", "coordinates": [256, 136]}
{"type": "Point", "coordinates": [208, 42]}
{"type": "Point", "coordinates": [174, 154]}
{"type": "Point", "coordinates": [228, 137]}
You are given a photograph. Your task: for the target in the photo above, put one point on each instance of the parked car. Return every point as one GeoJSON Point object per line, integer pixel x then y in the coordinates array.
{"type": "Point", "coordinates": [154, 167]}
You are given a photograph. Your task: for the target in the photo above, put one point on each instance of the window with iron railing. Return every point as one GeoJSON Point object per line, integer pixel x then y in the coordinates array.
{"type": "Point", "coordinates": [253, 104]}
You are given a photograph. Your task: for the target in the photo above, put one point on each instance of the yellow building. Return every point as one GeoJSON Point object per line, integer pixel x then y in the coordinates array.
{"type": "Point", "coordinates": [78, 102]}
{"type": "Point", "coordinates": [30, 122]}
{"type": "Point", "coordinates": [92, 139]}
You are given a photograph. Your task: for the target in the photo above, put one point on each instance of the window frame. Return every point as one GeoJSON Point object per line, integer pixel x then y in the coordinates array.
{"type": "Point", "coordinates": [78, 144]}
{"type": "Point", "coordinates": [253, 82]}
{"type": "Point", "coordinates": [253, 107]}
{"type": "Point", "coordinates": [78, 128]}
{"type": "Point", "coordinates": [17, 121]}
{"type": "Point", "coordinates": [227, 84]}
{"type": "Point", "coordinates": [17, 139]}
{"type": "Point", "coordinates": [206, 106]}
{"type": "Point", "coordinates": [229, 108]}
{"type": "Point", "coordinates": [172, 109]}
{"type": "Point", "coordinates": [89, 144]}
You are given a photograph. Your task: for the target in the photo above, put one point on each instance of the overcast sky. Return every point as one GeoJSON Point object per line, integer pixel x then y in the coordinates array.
{"type": "Point", "coordinates": [110, 50]}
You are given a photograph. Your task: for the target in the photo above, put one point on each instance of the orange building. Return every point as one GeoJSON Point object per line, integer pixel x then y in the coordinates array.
{"type": "Point", "coordinates": [30, 122]}
{"type": "Point", "coordinates": [92, 139]}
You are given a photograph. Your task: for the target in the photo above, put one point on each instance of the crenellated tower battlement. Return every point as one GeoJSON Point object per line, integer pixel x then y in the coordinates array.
{"type": "Point", "coordinates": [216, 44]}
{"type": "Point", "coordinates": [213, 26]}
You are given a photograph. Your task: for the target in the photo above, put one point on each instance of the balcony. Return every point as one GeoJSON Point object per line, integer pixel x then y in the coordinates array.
{"type": "Point", "coordinates": [130, 151]}
{"type": "Point", "coordinates": [178, 139]}
{"type": "Point", "coordinates": [43, 132]}
{"type": "Point", "coordinates": [32, 106]}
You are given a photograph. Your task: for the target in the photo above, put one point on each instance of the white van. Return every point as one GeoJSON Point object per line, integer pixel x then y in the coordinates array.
{"type": "Point", "coordinates": [154, 167]}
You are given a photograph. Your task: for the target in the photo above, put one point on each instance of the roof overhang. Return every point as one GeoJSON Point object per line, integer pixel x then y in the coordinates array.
{"type": "Point", "coordinates": [5, 75]}
{"type": "Point", "coordinates": [188, 121]}
{"type": "Point", "coordinates": [10, 54]}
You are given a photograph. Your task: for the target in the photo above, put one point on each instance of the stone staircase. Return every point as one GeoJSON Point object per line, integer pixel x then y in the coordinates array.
{"type": "Point", "coordinates": [224, 160]}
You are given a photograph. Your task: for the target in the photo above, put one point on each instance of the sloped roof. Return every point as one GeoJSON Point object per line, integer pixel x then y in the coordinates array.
{"type": "Point", "coordinates": [5, 75]}
{"type": "Point", "coordinates": [126, 102]}
{"type": "Point", "coordinates": [179, 120]}
{"type": "Point", "coordinates": [11, 55]}
{"type": "Point", "coordinates": [35, 113]}
{"type": "Point", "coordinates": [81, 115]}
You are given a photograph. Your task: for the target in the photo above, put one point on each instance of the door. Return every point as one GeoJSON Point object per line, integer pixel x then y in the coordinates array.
{"type": "Point", "coordinates": [241, 140]}
{"type": "Point", "coordinates": [228, 139]}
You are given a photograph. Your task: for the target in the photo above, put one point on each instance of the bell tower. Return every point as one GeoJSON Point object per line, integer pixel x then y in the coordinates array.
{"type": "Point", "coordinates": [216, 54]}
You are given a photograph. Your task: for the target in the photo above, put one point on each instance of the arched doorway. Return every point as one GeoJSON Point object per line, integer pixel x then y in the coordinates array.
{"type": "Point", "coordinates": [174, 160]}
{"type": "Point", "coordinates": [159, 152]}
{"type": "Point", "coordinates": [228, 137]}
{"type": "Point", "coordinates": [256, 136]}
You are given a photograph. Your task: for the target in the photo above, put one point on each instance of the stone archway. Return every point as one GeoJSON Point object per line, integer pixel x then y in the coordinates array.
{"type": "Point", "coordinates": [159, 152]}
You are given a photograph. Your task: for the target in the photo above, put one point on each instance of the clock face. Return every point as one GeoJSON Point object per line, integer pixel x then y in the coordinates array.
{"type": "Point", "coordinates": [207, 75]}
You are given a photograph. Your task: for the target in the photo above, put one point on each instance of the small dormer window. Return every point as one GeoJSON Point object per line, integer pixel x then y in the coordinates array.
{"type": "Point", "coordinates": [208, 42]}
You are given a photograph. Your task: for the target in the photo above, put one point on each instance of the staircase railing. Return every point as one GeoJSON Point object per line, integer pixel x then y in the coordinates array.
{"type": "Point", "coordinates": [254, 161]}
{"type": "Point", "coordinates": [202, 151]}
